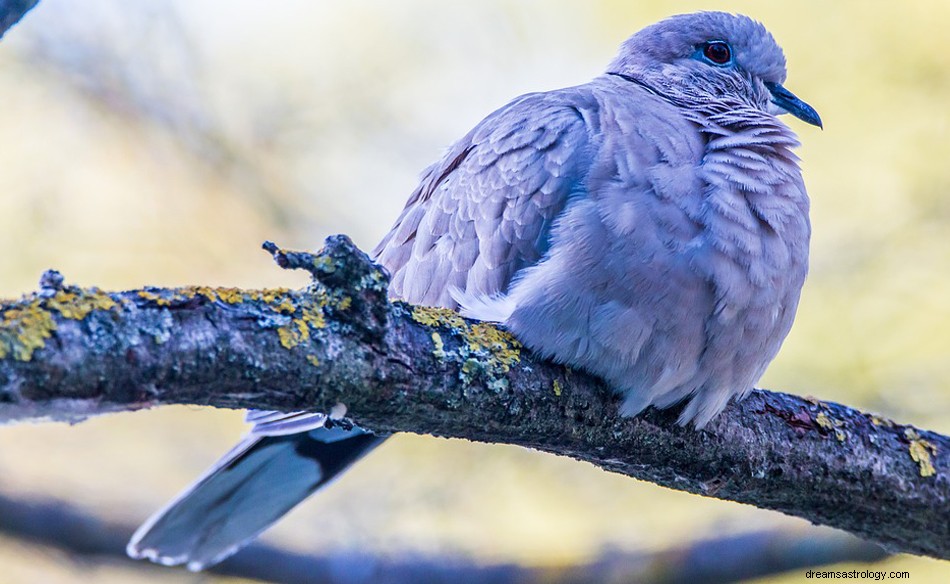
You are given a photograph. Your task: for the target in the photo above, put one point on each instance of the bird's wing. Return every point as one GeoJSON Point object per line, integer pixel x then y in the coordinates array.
{"type": "Point", "coordinates": [479, 215]}
{"type": "Point", "coordinates": [484, 211]}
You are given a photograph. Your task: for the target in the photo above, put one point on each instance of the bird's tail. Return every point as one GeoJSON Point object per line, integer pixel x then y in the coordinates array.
{"type": "Point", "coordinates": [251, 487]}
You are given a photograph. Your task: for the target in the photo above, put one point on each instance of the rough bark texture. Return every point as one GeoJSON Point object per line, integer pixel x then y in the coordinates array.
{"type": "Point", "coordinates": [67, 352]}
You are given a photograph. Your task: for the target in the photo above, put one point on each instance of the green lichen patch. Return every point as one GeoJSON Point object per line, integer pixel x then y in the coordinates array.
{"type": "Point", "coordinates": [922, 452]}
{"type": "Point", "coordinates": [557, 387]}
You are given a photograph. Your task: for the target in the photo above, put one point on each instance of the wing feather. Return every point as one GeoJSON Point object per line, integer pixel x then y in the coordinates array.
{"type": "Point", "coordinates": [482, 212]}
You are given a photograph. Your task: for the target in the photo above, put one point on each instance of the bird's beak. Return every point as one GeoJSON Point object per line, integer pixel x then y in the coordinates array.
{"type": "Point", "coordinates": [786, 101]}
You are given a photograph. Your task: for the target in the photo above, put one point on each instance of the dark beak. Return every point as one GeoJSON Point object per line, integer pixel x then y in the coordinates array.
{"type": "Point", "coordinates": [786, 100]}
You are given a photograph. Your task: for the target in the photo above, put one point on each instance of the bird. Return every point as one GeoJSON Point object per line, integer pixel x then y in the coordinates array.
{"type": "Point", "coordinates": [650, 227]}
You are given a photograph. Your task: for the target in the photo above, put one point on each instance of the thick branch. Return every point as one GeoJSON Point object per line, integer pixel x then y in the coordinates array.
{"type": "Point", "coordinates": [67, 352]}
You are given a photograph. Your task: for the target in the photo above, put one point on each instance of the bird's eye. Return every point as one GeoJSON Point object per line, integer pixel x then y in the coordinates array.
{"type": "Point", "coordinates": [718, 52]}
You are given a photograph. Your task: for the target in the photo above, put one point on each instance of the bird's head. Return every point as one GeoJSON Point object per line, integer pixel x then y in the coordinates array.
{"type": "Point", "coordinates": [709, 58]}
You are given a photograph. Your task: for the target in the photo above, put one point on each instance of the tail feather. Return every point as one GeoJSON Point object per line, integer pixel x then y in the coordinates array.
{"type": "Point", "coordinates": [251, 487]}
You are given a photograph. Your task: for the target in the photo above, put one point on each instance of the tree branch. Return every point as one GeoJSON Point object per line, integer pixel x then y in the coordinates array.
{"type": "Point", "coordinates": [67, 352]}
{"type": "Point", "coordinates": [732, 558]}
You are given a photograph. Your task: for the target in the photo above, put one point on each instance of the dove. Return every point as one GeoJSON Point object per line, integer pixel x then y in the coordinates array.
{"type": "Point", "coordinates": [650, 227]}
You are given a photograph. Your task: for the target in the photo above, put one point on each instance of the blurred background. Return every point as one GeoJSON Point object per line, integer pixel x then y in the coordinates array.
{"type": "Point", "coordinates": [161, 143]}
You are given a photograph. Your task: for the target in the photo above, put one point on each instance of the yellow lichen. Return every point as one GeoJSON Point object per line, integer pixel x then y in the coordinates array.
{"type": "Point", "coordinates": [344, 303]}
{"type": "Point", "coordinates": [828, 424]}
{"type": "Point", "coordinates": [313, 316]}
{"type": "Point", "coordinates": [280, 300]}
{"type": "Point", "coordinates": [78, 305]}
{"type": "Point", "coordinates": [156, 299]}
{"type": "Point", "coordinates": [485, 348]}
{"type": "Point", "coordinates": [24, 330]}
{"type": "Point", "coordinates": [880, 421]}
{"type": "Point", "coordinates": [164, 298]}
{"type": "Point", "coordinates": [557, 387]}
{"type": "Point", "coordinates": [324, 263]}
{"type": "Point", "coordinates": [293, 334]}
{"type": "Point", "coordinates": [439, 350]}
{"type": "Point", "coordinates": [226, 295]}
{"type": "Point", "coordinates": [274, 297]}
{"type": "Point", "coordinates": [502, 345]}
{"type": "Point", "coordinates": [431, 316]}
{"type": "Point", "coordinates": [921, 452]}
{"type": "Point", "coordinates": [190, 292]}
{"type": "Point", "coordinates": [312, 359]}
{"type": "Point", "coordinates": [297, 331]}
{"type": "Point", "coordinates": [270, 296]}
{"type": "Point", "coordinates": [26, 325]}
{"type": "Point", "coordinates": [230, 295]}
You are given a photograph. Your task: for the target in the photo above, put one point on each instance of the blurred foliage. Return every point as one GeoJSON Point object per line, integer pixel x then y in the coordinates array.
{"type": "Point", "coordinates": [160, 143]}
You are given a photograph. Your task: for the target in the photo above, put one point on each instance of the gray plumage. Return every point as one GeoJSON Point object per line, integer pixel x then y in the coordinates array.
{"type": "Point", "coordinates": [650, 226]}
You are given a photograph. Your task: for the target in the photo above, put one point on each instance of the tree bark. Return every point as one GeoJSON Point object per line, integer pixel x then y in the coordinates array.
{"type": "Point", "coordinates": [69, 352]}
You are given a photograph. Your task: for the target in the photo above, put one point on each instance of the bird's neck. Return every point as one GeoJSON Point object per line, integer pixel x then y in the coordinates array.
{"type": "Point", "coordinates": [746, 147]}
{"type": "Point", "coordinates": [754, 188]}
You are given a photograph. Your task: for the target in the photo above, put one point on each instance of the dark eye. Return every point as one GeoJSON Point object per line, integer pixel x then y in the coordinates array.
{"type": "Point", "coordinates": [718, 52]}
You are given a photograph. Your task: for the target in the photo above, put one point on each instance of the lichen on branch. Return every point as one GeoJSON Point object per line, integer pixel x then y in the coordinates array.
{"type": "Point", "coordinates": [68, 352]}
